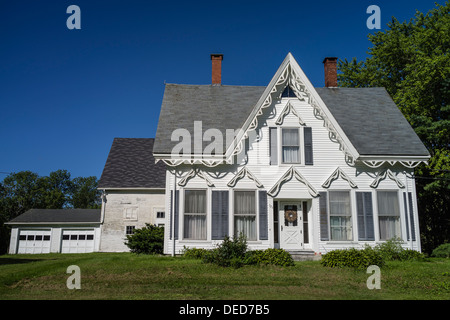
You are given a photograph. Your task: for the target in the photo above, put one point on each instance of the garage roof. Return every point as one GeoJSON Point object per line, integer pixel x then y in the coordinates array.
{"type": "Point", "coordinates": [54, 216]}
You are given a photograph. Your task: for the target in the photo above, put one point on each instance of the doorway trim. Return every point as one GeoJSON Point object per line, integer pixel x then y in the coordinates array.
{"type": "Point", "coordinates": [290, 224]}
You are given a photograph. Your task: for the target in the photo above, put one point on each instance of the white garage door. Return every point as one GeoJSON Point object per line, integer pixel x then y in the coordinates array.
{"type": "Point", "coordinates": [77, 241]}
{"type": "Point", "coordinates": [34, 241]}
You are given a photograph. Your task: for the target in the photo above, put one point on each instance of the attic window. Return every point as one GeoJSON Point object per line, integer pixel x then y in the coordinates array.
{"type": "Point", "coordinates": [288, 93]}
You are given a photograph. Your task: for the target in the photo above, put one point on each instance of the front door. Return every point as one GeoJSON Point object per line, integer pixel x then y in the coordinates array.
{"type": "Point", "coordinates": [291, 226]}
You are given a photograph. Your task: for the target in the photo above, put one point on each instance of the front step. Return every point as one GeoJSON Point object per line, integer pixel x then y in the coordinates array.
{"type": "Point", "coordinates": [304, 255]}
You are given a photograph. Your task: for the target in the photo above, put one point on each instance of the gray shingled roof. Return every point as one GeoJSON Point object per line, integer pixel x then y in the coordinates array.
{"type": "Point", "coordinates": [52, 216]}
{"type": "Point", "coordinates": [368, 116]}
{"type": "Point", "coordinates": [220, 107]}
{"type": "Point", "coordinates": [372, 121]}
{"type": "Point", "coordinates": [131, 164]}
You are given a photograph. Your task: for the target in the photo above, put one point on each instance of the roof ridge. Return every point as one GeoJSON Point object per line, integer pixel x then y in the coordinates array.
{"type": "Point", "coordinates": [134, 138]}
{"type": "Point", "coordinates": [213, 86]}
{"type": "Point", "coordinates": [331, 88]}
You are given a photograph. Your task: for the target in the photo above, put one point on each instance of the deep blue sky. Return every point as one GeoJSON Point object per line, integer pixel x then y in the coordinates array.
{"type": "Point", "coordinates": [65, 94]}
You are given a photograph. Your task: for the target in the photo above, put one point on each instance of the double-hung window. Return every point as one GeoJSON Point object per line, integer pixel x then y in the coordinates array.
{"type": "Point", "coordinates": [130, 213]}
{"type": "Point", "coordinates": [195, 214]}
{"type": "Point", "coordinates": [340, 216]}
{"type": "Point", "coordinates": [245, 214]}
{"type": "Point", "coordinates": [290, 145]}
{"type": "Point", "coordinates": [388, 214]}
{"type": "Point", "coordinates": [287, 148]}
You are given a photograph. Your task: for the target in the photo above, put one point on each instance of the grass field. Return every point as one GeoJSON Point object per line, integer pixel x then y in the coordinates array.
{"type": "Point", "coordinates": [127, 276]}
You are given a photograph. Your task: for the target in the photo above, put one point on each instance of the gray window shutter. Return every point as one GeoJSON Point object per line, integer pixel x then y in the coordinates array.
{"type": "Point", "coordinates": [365, 216]}
{"type": "Point", "coordinates": [406, 216]}
{"type": "Point", "coordinates": [177, 208]}
{"type": "Point", "coordinates": [323, 216]}
{"type": "Point", "coordinates": [361, 217]}
{"type": "Point", "coordinates": [175, 215]}
{"type": "Point", "coordinates": [273, 146]}
{"type": "Point", "coordinates": [411, 216]}
{"type": "Point", "coordinates": [219, 215]}
{"type": "Point", "coordinates": [170, 210]}
{"type": "Point", "coordinates": [307, 135]}
{"type": "Point", "coordinates": [263, 216]}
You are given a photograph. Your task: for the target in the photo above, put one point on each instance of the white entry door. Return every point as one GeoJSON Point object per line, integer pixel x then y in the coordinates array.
{"type": "Point", "coordinates": [77, 241]}
{"type": "Point", "coordinates": [291, 226]}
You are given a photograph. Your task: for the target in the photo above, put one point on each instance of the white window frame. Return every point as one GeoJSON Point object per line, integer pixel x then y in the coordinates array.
{"type": "Point", "coordinates": [133, 216]}
{"type": "Point", "coordinates": [157, 220]}
{"type": "Point", "coordinates": [300, 147]}
{"type": "Point", "coordinates": [192, 214]}
{"type": "Point", "coordinates": [399, 217]}
{"type": "Point", "coordinates": [127, 228]}
{"type": "Point", "coordinates": [163, 214]}
{"type": "Point", "coordinates": [256, 215]}
{"type": "Point", "coordinates": [350, 217]}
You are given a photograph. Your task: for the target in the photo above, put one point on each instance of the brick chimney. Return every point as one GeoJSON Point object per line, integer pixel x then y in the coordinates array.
{"type": "Point", "coordinates": [216, 68]}
{"type": "Point", "coordinates": [330, 65]}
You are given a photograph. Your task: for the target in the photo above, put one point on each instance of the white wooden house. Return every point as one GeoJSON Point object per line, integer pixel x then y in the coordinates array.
{"type": "Point", "coordinates": [288, 165]}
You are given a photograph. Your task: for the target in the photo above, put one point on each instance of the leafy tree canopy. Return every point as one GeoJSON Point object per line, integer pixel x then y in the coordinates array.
{"type": "Point", "coordinates": [411, 60]}
{"type": "Point", "coordinates": [26, 190]}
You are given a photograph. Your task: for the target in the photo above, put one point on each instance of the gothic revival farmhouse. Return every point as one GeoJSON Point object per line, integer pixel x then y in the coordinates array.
{"type": "Point", "coordinates": [288, 165]}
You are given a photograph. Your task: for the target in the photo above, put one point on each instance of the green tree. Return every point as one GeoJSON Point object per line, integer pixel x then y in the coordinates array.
{"type": "Point", "coordinates": [54, 190]}
{"type": "Point", "coordinates": [26, 190]}
{"type": "Point", "coordinates": [19, 192]}
{"type": "Point", "coordinates": [84, 193]}
{"type": "Point", "coordinates": [412, 61]}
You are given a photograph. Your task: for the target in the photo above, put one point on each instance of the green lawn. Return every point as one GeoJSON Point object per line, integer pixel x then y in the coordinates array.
{"type": "Point", "coordinates": [130, 276]}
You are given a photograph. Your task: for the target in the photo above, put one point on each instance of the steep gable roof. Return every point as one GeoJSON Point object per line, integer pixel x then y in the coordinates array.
{"type": "Point", "coordinates": [364, 121]}
{"type": "Point", "coordinates": [131, 164]}
{"type": "Point", "coordinates": [372, 121]}
{"type": "Point", "coordinates": [220, 107]}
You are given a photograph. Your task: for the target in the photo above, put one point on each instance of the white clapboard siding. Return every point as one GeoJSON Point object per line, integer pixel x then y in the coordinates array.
{"type": "Point", "coordinates": [327, 157]}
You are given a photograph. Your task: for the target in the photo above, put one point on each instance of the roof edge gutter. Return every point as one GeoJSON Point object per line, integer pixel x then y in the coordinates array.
{"type": "Point", "coordinates": [53, 223]}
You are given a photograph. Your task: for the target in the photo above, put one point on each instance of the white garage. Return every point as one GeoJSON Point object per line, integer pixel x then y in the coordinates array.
{"type": "Point", "coordinates": [78, 241]}
{"type": "Point", "coordinates": [34, 241]}
{"type": "Point", "coordinates": [55, 231]}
